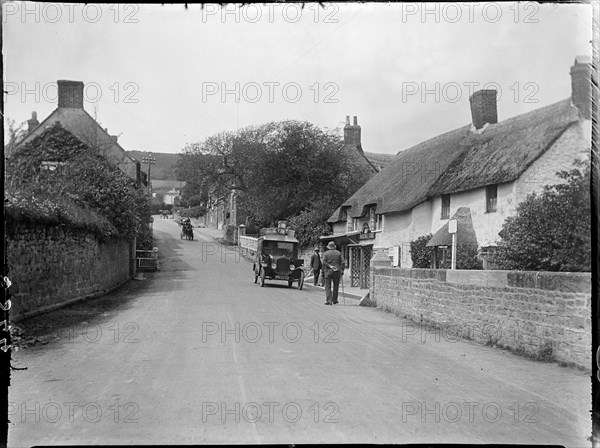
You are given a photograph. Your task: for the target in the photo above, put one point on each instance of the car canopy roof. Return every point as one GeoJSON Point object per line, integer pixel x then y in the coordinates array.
{"type": "Point", "coordinates": [284, 238]}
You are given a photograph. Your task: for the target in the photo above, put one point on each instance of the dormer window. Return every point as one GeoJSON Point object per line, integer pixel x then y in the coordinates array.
{"type": "Point", "coordinates": [349, 222]}
{"type": "Point", "coordinates": [378, 222]}
{"type": "Point", "coordinates": [372, 221]}
{"type": "Point", "coordinates": [343, 214]}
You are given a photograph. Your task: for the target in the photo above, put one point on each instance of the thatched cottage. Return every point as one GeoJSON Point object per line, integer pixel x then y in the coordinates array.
{"type": "Point", "coordinates": [484, 169]}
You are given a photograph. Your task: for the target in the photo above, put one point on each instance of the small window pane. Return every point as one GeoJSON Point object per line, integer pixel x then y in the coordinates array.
{"type": "Point", "coordinates": [445, 206]}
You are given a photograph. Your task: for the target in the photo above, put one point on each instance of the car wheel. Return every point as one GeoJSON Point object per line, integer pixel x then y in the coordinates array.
{"type": "Point", "coordinates": [301, 280]}
{"type": "Point", "coordinates": [262, 277]}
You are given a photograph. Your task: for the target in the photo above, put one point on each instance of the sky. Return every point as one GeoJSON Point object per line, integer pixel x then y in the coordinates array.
{"type": "Point", "coordinates": [161, 77]}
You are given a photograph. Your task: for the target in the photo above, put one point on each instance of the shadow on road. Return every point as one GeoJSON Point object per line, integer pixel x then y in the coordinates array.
{"type": "Point", "coordinates": [51, 327]}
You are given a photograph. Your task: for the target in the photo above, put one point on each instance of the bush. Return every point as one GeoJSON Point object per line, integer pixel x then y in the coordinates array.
{"type": "Point", "coordinates": [551, 230]}
{"type": "Point", "coordinates": [310, 224]}
{"type": "Point", "coordinates": [466, 257]}
{"type": "Point", "coordinates": [194, 212]}
{"type": "Point", "coordinates": [420, 254]}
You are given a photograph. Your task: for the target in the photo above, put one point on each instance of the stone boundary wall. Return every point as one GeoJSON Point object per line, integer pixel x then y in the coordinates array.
{"type": "Point", "coordinates": [51, 265]}
{"type": "Point", "coordinates": [545, 315]}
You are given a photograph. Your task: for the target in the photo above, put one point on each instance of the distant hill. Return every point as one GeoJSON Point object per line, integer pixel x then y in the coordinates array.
{"type": "Point", "coordinates": [164, 169]}
{"type": "Point", "coordinates": [379, 160]}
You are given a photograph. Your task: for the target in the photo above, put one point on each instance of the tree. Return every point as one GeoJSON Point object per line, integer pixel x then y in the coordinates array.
{"type": "Point", "coordinates": [15, 134]}
{"type": "Point", "coordinates": [280, 169]}
{"type": "Point", "coordinates": [551, 230]}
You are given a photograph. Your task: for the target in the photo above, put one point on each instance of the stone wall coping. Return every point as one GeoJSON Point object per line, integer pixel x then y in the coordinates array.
{"type": "Point", "coordinates": [576, 282]}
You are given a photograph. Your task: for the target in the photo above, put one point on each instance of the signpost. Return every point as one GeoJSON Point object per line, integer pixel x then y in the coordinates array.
{"type": "Point", "coordinates": [452, 228]}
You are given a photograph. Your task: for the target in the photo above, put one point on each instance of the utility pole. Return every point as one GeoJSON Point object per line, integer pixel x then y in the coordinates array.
{"type": "Point", "coordinates": [150, 161]}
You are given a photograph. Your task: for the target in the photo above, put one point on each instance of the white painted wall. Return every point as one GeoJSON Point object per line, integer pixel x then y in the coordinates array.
{"type": "Point", "coordinates": [573, 144]}
{"type": "Point", "coordinates": [487, 225]}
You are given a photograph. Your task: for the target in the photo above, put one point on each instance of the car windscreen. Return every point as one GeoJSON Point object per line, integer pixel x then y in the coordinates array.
{"type": "Point", "coordinates": [278, 248]}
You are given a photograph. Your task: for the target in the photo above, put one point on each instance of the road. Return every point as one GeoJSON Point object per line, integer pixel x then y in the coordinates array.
{"type": "Point", "coordinates": [203, 355]}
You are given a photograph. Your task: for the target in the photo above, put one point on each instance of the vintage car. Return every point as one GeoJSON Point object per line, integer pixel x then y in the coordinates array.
{"type": "Point", "coordinates": [277, 256]}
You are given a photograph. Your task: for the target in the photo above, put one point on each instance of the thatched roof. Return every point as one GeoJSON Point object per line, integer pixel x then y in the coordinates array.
{"type": "Point", "coordinates": [465, 232]}
{"type": "Point", "coordinates": [461, 160]}
{"type": "Point", "coordinates": [406, 180]}
{"type": "Point", "coordinates": [506, 149]}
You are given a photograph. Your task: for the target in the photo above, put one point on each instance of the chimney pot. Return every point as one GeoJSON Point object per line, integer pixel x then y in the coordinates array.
{"type": "Point", "coordinates": [581, 86]}
{"type": "Point", "coordinates": [483, 108]}
{"type": "Point", "coordinates": [70, 94]}
{"type": "Point", "coordinates": [33, 122]}
{"type": "Point", "coordinates": [352, 133]}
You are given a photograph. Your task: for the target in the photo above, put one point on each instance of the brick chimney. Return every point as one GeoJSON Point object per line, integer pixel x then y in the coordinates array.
{"type": "Point", "coordinates": [581, 86]}
{"type": "Point", "coordinates": [352, 133]}
{"type": "Point", "coordinates": [70, 94]}
{"type": "Point", "coordinates": [483, 108]}
{"type": "Point", "coordinates": [33, 122]}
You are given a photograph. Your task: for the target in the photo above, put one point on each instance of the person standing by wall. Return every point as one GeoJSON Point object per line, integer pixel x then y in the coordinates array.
{"type": "Point", "coordinates": [315, 265]}
{"type": "Point", "coordinates": [333, 269]}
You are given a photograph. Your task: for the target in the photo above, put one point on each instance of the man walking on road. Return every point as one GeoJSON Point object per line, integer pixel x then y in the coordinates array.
{"type": "Point", "coordinates": [315, 265]}
{"type": "Point", "coordinates": [333, 269]}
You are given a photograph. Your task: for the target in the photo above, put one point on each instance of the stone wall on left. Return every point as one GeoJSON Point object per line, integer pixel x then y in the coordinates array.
{"type": "Point", "coordinates": [54, 264]}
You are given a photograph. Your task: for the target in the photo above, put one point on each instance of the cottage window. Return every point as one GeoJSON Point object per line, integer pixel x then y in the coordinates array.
{"type": "Point", "coordinates": [378, 222]}
{"type": "Point", "coordinates": [51, 166]}
{"type": "Point", "coordinates": [445, 206]}
{"type": "Point", "coordinates": [372, 218]}
{"type": "Point", "coordinates": [491, 198]}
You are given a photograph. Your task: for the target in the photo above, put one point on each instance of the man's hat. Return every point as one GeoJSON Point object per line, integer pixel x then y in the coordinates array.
{"type": "Point", "coordinates": [331, 245]}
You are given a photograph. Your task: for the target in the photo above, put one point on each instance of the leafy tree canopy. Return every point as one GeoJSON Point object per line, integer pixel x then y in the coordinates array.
{"type": "Point", "coordinates": [282, 169]}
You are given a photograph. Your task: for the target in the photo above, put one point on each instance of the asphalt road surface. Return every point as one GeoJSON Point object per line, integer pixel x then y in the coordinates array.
{"type": "Point", "coordinates": [204, 355]}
